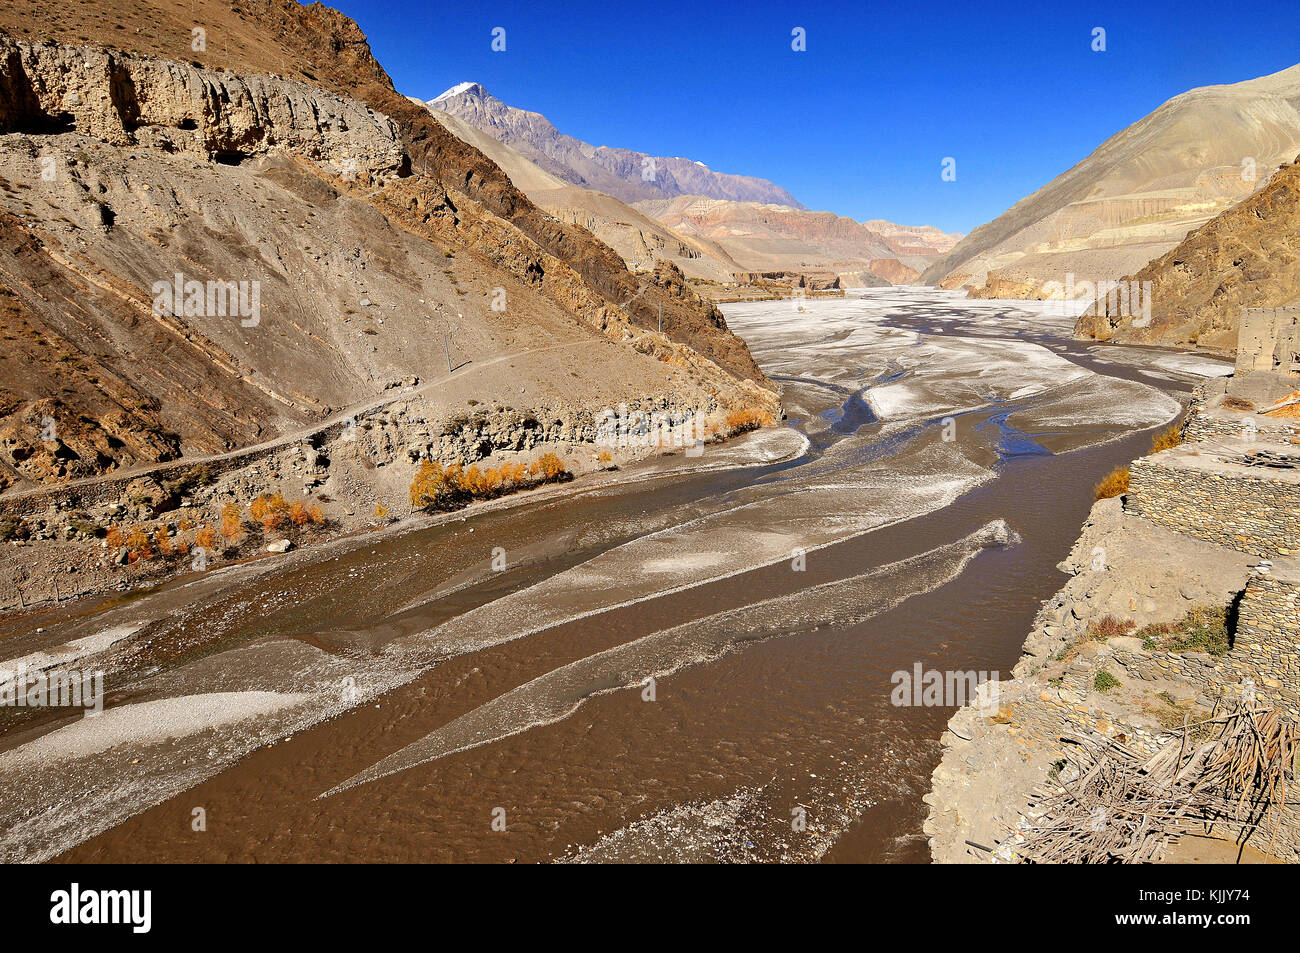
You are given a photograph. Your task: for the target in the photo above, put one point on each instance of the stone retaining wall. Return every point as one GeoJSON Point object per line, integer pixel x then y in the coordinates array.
{"type": "Point", "coordinates": [1265, 650]}
{"type": "Point", "coordinates": [1248, 513]}
{"type": "Point", "coordinates": [1202, 426]}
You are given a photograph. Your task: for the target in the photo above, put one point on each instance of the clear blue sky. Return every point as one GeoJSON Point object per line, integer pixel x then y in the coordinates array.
{"type": "Point", "coordinates": [860, 122]}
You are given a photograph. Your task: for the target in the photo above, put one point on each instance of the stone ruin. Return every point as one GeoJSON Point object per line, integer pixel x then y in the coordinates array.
{"type": "Point", "coordinates": [1268, 339]}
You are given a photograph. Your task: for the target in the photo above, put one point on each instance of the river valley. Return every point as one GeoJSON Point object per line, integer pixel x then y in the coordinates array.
{"type": "Point", "coordinates": [689, 660]}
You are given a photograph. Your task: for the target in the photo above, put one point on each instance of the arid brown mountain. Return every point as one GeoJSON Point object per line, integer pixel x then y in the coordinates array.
{"type": "Point", "coordinates": [278, 152]}
{"type": "Point", "coordinates": [1137, 195]}
{"type": "Point", "coordinates": [767, 238]}
{"type": "Point", "coordinates": [1246, 257]}
{"type": "Point", "coordinates": [626, 175]}
{"type": "Point", "coordinates": [639, 239]}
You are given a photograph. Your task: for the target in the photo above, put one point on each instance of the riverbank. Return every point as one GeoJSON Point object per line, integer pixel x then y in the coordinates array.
{"type": "Point", "coordinates": [1178, 603]}
{"type": "Point", "coordinates": [346, 477]}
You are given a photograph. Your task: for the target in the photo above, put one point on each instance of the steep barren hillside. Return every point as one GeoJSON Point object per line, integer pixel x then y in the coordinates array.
{"type": "Point", "coordinates": [626, 175]}
{"type": "Point", "coordinates": [1246, 257]}
{"type": "Point", "coordinates": [1137, 195]}
{"type": "Point", "coordinates": [325, 48]}
{"type": "Point", "coordinates": [354, 239]}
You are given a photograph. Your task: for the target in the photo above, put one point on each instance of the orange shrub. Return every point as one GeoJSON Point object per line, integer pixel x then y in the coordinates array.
{"type": "Point", "coordinates": [604, 457]}
{"type": "Point", "coordinates": [1114, 483]}
{"type": "Point", "coordinates": [163, 540]}
{"type": "Point", "coordinates": [139, 543]}
{"type": "Point", "coordinates": [1166, 440]}
{"type": "Point", "coordinates": [548, 466]}
{"type": "Point", "coordinates": [429, 481]}
{"type": "Point", "coordinates": [115, 539]}
{"type": "Point", "coordinates": [206, 537]}
{"type": "Point", "coordinates": [740, 421]}
{"type": "Point", "coordinates": [298, 514]}
{"type": "Point", "coordinates": [316, 514]}
{"type": "Point", "coordinates": [232, 522]}
{"type": "Point", "coordinates": [259, 508]}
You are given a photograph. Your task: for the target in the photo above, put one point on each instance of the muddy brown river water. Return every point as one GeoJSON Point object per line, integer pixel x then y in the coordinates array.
{"type": "Point", "coordinates": [678, 664]}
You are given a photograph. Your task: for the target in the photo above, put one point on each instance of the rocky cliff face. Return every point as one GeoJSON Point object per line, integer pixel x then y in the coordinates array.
{"type": "Point", "coordinates": [1246, 257]}
{"type": "Point", "coordinates": [625, 174]}
{"type": "Point", "coordinates": [126, 100]}
{"type": "Point", "coordinates": [1137, 195]}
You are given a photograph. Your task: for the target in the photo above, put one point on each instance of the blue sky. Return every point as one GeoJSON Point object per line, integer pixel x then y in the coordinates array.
{"type": "Point", "coordinates": [861, 121]}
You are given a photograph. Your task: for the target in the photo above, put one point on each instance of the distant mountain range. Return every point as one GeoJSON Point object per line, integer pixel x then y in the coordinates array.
{"type": "Point", "coordinates": [626, 175]}
{"type": "Point", "coordinates": [714, 226]}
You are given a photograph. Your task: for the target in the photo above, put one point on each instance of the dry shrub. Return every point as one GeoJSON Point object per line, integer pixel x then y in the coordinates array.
{"type": "Point", "coordinates": [206, 537]}
{"type": "Point", "coordinates": [1109, 627]}
{"type": "Point", "coordinates": [232, 522]}
{"type": "Point", "coordinates": [139, 544]}
{"type": "Point", "coordinates": [748, 418]}
{"type": "Point", "coordinates": [298, 514]}
{"type": "Point", "coordinates": [1238, 403]}
{"type": "Point", "coordinates": [1292, 412]}
{"type": "Point", "coordinates": [604, 457]}
{"type": "Point", "coordinates": [163, 540]}
{"type": "Point", "coordinates": [1166, 439]}
{"type": "Point", "coordinates": [115, 539]}
{"type": "Point", "coordinates": [1112, 484]}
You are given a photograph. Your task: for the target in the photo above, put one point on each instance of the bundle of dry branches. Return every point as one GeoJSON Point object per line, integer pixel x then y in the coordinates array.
{"type": "Point", "coordinates": [1113, 805]}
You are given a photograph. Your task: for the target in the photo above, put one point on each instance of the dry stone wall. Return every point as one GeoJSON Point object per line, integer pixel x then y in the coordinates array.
{"type": "Point", "coordinates": [1257, 514]}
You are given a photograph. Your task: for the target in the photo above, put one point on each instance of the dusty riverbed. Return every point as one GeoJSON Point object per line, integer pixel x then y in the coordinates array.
{"type": "Point", "coordinates": [691, 659]}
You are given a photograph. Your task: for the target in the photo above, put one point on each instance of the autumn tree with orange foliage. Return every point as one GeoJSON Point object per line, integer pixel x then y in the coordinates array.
{"type": "Point", "coordinates": [444, 488]}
